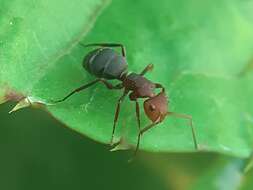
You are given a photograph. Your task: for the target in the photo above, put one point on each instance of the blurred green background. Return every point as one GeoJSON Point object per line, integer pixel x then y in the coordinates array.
{"type": "Point", "coordinates": [38, 153]}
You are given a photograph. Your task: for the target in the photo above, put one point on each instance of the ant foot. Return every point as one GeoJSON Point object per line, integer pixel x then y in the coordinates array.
{"type": "Point", "coordinates": [111, 141]}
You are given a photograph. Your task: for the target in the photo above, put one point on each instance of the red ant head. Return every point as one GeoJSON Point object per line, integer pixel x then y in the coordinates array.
{"type": "Point", "coordinates": [156, 107]}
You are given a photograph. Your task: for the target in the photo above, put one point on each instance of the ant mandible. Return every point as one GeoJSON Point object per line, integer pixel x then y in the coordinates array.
{"type": "Point", "coordinates": [107, 64]}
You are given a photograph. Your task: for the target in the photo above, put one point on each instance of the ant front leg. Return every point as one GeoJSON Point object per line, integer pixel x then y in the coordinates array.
{"type": "Point", "coordinates": [123, 49]}
{"type": "Point", "coordinates": [189, 118]}
{"type": "Point", "coordinates": [116, 116]}
{"type": "Point", "coordinates": [141, 133]}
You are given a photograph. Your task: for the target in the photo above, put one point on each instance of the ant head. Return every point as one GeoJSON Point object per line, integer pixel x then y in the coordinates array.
{"type": "Point", "coordinates": [156, 107]}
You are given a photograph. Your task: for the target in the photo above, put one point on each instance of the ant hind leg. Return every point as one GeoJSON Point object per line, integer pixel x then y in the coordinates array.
{"type": "Point", "coordinates": [106, 83]}
{"type": "Point", "coordinates": [117, 114]}
{"type": "Point", "coordinates": [123, 49]}
{"type": "Point", "coordinates": [77, 90]}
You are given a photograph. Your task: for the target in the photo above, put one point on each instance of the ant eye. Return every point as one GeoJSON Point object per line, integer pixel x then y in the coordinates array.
{"type": "Point", "coordinates": [152, 107]}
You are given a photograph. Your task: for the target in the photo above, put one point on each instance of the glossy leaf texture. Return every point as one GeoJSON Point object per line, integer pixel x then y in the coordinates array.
{"type": "Point", "coordinates": [201, 51]}
{"type": "Point", "coordinates": [34, 35]}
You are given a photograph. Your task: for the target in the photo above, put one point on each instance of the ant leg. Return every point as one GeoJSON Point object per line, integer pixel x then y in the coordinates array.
{"type": "Point", "coordinates": [149, 67]}
{"type": "Point", "coordinates": [157, 85]}
{"type": "Point", "coordinates": [77, 90]}
{"type": "Point", "coordinates": [117, 114]}
{"type": "Point", "coordinates": [137, 111]}
{"type": "Point", "coordinates": [123, 49]}
{"type": "Point", "coordinates": [110, 86]}
{"type": "Point", "coordinates": [107, 84]}
{"type": "Point", "coordinates": [189, 118]}
{"type": "Point", "coordinates": [141, 133]}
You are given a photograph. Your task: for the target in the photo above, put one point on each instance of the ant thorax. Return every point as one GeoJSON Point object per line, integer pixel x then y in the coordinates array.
{"type": "Point", "coordinates": [140, 86]}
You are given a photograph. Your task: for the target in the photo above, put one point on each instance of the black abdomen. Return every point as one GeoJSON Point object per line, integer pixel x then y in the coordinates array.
{"type": "Point", "coordinates": [105, 63]}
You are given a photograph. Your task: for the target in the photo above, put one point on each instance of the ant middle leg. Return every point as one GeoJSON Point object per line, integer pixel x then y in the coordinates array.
{"type": "Point", "coordinates": [123, 49]}
{"type": "Point", "coordinates": [116, 116]}
{"type": "Point", "coordinates": [137, 112]}
{"type": "Point", "coordinates": [149, 67]}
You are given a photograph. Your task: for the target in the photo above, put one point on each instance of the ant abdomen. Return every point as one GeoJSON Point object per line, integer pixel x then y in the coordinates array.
{"type": "Point", "coordinates": [105, 63]}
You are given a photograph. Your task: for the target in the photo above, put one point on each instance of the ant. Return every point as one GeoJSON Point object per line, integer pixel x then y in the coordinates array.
{"type": "Point", "coordinates": [107, 64]}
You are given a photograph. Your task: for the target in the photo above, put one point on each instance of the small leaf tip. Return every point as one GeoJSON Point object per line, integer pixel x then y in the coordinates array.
{"type": "Point", "coordinates": [121, 145]}
{"type": "Point", "coordinates": [25, 102]}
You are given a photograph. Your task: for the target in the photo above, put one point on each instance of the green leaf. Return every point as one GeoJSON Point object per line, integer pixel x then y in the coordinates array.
{"type": "Point", "coordinates": [35, 34]}
{"type": "Point", "coordinates": [199, 49]}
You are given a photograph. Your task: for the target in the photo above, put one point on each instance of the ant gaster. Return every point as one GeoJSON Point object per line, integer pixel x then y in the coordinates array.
{"type": "Point", "coordinates": [106, 64]}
